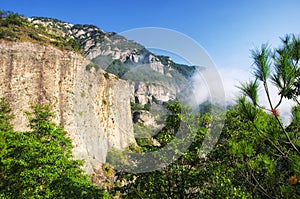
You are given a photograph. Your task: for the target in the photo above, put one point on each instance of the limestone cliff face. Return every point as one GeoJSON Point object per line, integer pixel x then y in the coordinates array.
{"type": "Point", "coordinates": [93, 109]}
{"type": "Point", "coordinates": [143, 93]}
{"type": "Point", "coordinates": [104, 47]}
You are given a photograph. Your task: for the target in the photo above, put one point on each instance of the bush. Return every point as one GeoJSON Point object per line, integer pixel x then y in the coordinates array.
{"type": "Point", "coordinates": [136, 106]}
{"type": "Point", "coordinates": [147, 107]}
{"type": "Point", "coordinates": [106, 75]}
{"type": "Point", "coordinates": [39, 163]}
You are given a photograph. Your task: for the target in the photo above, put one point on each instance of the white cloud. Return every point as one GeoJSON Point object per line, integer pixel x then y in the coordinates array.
{"type": "Point", "coordinates": [230, 79]}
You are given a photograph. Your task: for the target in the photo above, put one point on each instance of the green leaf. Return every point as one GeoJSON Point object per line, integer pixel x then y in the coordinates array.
{"type": "Point", "coordinates": [262, 62]}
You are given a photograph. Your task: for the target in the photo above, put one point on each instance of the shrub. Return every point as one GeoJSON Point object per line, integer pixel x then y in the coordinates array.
{"type": "Point", "coordinates": [106, 75]}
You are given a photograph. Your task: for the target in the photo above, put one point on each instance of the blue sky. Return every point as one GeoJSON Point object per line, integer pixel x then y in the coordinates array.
{"type": "Point", "coordinates": [226, 29]}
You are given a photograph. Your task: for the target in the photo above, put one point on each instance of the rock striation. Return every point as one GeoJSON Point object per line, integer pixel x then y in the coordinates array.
{"type": "Point", "coordinates": [92, 107]}
{"type": "Point", "coordinates": [103, 48]}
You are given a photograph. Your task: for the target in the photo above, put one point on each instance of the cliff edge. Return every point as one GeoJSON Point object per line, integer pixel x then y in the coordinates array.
{"type": "Point", "coordinates": [91, 105]}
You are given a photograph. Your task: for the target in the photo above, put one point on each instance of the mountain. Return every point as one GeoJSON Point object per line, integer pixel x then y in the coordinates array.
{"type": "Point", "coordinates": [98, 83]}
{"type": "Point", "coordinates": [126, 59]}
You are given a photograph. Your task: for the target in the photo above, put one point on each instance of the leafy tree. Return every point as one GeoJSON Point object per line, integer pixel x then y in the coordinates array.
{"type": "Point", "coordinates": [5, 128]}
{"type": "Point", "coordinates": [267, 155]}
{"type": "Point", "coordinates": [256, 155]}
{"type": "Point", "coordinates": [38, 163]}
{"type": "Point", "coordinates": [5, 116]}
{"type": "Point", "coordinates": [180, 179]}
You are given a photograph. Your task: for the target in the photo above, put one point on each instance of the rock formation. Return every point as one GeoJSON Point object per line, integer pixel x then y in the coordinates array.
{"type": "Point", "coordinates": [92, 107]}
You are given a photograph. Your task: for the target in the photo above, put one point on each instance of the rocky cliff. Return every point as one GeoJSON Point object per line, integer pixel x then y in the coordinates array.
{"type": "Point", "coordinates": [105, 48]}
{"type": "Point", "coordinates": [92, 107]}
{"type": "Point", "coordinates": [95, 81]}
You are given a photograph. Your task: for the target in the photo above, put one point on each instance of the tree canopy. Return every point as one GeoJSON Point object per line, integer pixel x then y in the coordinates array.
{"type": "Point", "coordinates": [39, 163]}
{"type": "Point", "coordinates": [257, 156]}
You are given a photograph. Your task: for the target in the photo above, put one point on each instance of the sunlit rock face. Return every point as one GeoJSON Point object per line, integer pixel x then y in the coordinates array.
{"type": "Point", "coordinates": [143, 93]}
{"type": "Point", "coordinates": [149, 74]}
{"type": "Point", "coordinates": [94, 109]}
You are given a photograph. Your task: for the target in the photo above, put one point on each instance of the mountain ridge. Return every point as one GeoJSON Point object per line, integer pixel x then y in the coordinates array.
{"type": "Point", "coordinates": [96, 42]}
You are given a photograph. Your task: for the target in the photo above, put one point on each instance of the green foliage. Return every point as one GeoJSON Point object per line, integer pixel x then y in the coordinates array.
{"type": "Point", "coordinates": [250, 89]}
{"type": "Point", "coordinates": [262, 63]}
{"type": "Point", "coordinates": [14, 27]}
{"type": "Point", "coordinates": [267, 155]}
{"type": "Point", "coordinates": [154, 100]}
{"type": "Point", "coordinates": [108, 170]}
{"type": "Point", "coordinates": [72, 44]}
{"type": "Point", "coordinates": [255, 154]}
{"type": "Point", "coordinates": [286, 65]}
{"type": "Point", "coordinates": [5, 128]}
{"type": "Point", "coordinates": [5, 116]}
{"type": "Point", "coordinates": [106, 75]}
{"type": "Point", "coordinates": [9, 18]}
{"type": "Point", "coordinates": [138, 107]}
{"type": "Point", "coordinates": [118, 68]}
{"type": "Point", "coordinates": [116, 157]}
{"type": "Point", "coordinates": [38, 163]}
{"type": "Point", "coordinates": [175, 180]}
{"type": "Point", "coordinates": [186, 71]}
{"type": "Point", "coordinates": [255, 157]}
{"type": "Point", "coordinates": [147, 107]}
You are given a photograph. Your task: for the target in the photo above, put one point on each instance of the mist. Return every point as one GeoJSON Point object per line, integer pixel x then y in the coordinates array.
{"type": "Point", "coordinates": [231, 79]}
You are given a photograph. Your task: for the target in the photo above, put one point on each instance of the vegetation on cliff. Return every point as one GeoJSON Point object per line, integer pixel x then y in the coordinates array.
{"type": "Point", "coordinates": [38, 163]}
{"type": "Point", "coordinates": [14, 27]}
{"type": "Point", "coordinates": [185, 70]}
